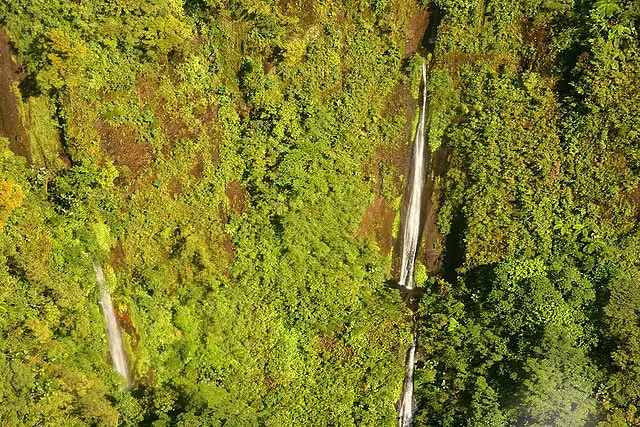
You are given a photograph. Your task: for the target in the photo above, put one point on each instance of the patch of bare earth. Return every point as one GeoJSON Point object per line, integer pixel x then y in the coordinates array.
{"type": "Point", "coordinates": [127, 325]}
{"type": "Point", "coordinates": [378, 224]}
{"type": "Point", "coordinates": [209, 120]}
{"type": "Point", "coordinates": [168, 115]}
{"type": "Point", "coordinates": [10, 124]}
{"type": "Point", "coordinates": [174, 186]}
{"type": "Point", "coordinates": [335, 349]}
{"type": "Point", "coordinates": [400, 102]}
{"type": "Point", "coordinates": [634, 197]}
{"type": "Point", "coordinates": [432, 248]}
{"type": "Point", "coordinates": [116, 255]}
{"type": "Point", "coordinates": [173, 125]}
{"type": "Point", "coordinates": [230, 252]}
{"type": "Point", "coordinates": [303, 10]}
{"type": "Point", "coordinates": [416, 26]}
{"type": "Point", "coordinates": [123, 147]}
{"type": "Point", "coordinates": [389, 159]}
{"type": "Point", "coordinates": [237, 195]}
{"type": "Point", "coordinates": [227, 245]}
{"type": "Point", "coordinates": [197, 168]}
{"type": "Point", "coordinates": [210, 114]}
{"type": "Point", "coordinates": [537, 35]}
{"type": "Point", "coordinates": [238, 199]}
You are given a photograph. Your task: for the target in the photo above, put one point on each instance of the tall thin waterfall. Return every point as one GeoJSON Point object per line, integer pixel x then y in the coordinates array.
{"type": "Point", "coordinates": [405, 406]}
{"type": "Point", "coordinates": [114, 336]}
{"type": "Point", "coordinates": [411, 242]}
{"type": "Point", "coordinates": [412, 220]}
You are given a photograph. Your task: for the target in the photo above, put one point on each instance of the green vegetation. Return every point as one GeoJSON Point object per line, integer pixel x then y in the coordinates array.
{"type": "Point", "coordinates": [201, 153]}
{"type": "Point", "coordinates": [237, 168]}
{"type": "Point", "coordinates": [540, 207]}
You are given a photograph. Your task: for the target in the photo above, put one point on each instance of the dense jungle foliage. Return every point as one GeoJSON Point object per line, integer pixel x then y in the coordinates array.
{"type": "Point", "coordinates": [238, 169]}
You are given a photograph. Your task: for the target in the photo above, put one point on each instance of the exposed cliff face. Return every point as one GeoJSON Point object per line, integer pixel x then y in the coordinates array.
{"type": "Point", "coordinates": [11, 126]}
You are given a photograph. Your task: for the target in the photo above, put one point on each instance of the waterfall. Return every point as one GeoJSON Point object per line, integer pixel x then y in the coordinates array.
{"type": "Point", "coordinates": [410, 244]}
{"type": "Point", "coordinates": [114, 336]}
{"type": "Point", "coordinates": [412, 220]}
{"type": "Point", "coordinates": [405, 405]}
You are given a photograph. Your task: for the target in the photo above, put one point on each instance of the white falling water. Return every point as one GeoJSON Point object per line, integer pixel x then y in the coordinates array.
{"type": "Point", "coordinates": [411, 229]}
{"type": "Point", "coordinates": [405, 406]}
{"type": "Point", "coordinates": [411, 242]}
{"type": "Point", "coordinates": [114, 336]}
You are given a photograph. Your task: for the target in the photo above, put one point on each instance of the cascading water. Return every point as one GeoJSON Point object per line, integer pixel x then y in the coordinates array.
{"type": "Point", "coordinates": [405, 406]}
{"type": "Point", "coordinates": [114, 336]}
{"type": "Point", "coordinates": [410, 243]}
{"type": "Point", "coordinates": [411, 229]}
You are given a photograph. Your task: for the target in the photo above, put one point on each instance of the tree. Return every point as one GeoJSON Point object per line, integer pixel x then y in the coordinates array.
{"type": "Point", "coordinates": [11, 198]}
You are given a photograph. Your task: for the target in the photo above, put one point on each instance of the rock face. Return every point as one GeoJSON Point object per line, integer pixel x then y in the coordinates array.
{"type": "Point", "coordinates": [11, 126]}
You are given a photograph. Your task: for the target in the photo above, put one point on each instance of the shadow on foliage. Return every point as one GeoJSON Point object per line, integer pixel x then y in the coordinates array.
{"type": "Point", "coordinates": [435, 17]}
{"type": "Point", "coordinates": [29, 87]}
{"type": "Point", "coordinates": [455, 248]}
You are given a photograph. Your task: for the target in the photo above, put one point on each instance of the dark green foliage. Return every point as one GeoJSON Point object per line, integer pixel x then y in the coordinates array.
{"type": "Point", "coordinates": [542, 189]}
{"type": "Point", "coordinates": [221, 159]}
{"type": "Point", "coordinates": [515, 350]}
{"type": "Point", "coordinates": [214, 158]}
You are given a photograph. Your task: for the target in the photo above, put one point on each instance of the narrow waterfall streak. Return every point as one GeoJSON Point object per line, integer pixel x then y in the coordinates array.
{"type": "Point", "coordinates": [411, 243]}
{"type": "Point", "coordinates": [411, 229]}
{"type": "Point", "coordinates": [405, 406]}
{"type": "Point", "coordinates": [114, 335]}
